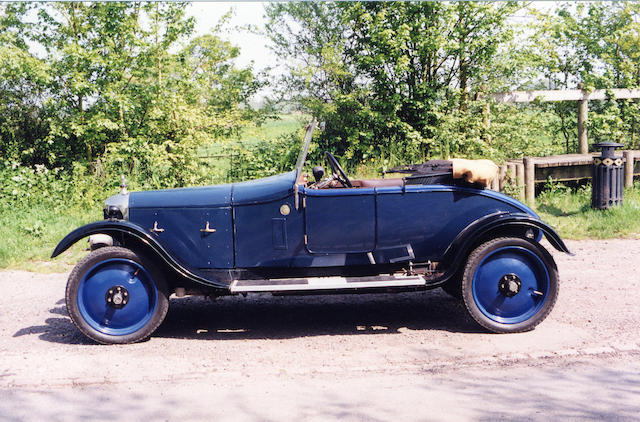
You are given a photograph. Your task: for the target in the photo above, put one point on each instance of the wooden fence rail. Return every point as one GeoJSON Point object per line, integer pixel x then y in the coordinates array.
{"type": "Point", "coordinates": [522, 175]}
{"type": "Point", "coordinates": [582, 96]}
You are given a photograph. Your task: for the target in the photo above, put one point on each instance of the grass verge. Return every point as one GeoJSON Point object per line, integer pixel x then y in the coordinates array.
{"type": "Point", "coordinates": [29, 236]}
{"type": "Point", "coordinates": [570, 213]}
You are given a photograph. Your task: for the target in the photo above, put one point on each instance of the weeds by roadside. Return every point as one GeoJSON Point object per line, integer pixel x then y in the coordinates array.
{"type": "Point", "coordinates": [569, 211]}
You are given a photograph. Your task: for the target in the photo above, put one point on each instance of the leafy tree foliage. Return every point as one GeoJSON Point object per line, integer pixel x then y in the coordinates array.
{"type": "Point", "coordinates": [597, 45]}
{"type": "Point", "coordinates": [126, 79]}
{"type": "Point", "coordinates": [403, 79]}
{"type": "Point", "coordinates": [385, 76]}
{"type": "Point", "coordinates": [128, 87]}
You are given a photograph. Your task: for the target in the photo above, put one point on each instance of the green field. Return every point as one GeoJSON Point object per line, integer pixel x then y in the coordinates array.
{"type": "Point", "coordinates": [270, 130]}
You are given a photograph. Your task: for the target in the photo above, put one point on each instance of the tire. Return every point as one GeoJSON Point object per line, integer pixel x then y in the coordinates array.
{"type": "Point", "coordinates": [116, 296]}
{"type": "Point", "coordinates": [509, 285]}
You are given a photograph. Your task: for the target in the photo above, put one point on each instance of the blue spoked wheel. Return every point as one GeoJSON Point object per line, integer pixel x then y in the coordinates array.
{"type": "Point", "coordinates": [115, 296]}
{"type": "Point", "coordinates": [509, 284]}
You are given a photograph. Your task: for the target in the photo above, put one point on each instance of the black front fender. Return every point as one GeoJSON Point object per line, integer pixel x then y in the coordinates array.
{"type": "Point", "coordinates": [115, 228]}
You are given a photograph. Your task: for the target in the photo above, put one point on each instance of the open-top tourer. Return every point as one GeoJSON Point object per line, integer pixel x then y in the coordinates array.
{"type": "Point", "coordinates": [438, 226]}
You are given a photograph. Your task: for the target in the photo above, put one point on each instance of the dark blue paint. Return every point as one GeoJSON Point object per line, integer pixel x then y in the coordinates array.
{"type": "Point", "coordinates": [254, 234]}
{"type": "Point", "coordinates": [143, 297]}
{"type": "Point", "coordinates": [208, 196]}
{"type": "Point", "coordinates": [430, 219]}
{"type": "Point", "coordinates": [127, 231]}
{"type": "Point", "coordinates": [395, 224]}
{"type": "Point", "coordinates": [182, 233]}
{"type": "Point", "coordinates": [264, 190]}
{"type": "Point", "coordinates": [340, 220]}
{"type": "Point", "coordinates": [532, 273]}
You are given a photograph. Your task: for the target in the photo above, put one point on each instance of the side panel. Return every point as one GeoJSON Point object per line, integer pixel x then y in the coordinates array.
{"type": "Point", "coordinates": [126, 230]}
{"type": "Point", "coordinates": [268, 234]}
{"type": "Point", "coordinates": [340, 220]}
{"type": "Point", "coordinates": [184, 236]}
{"type": "Point", "coordinates": [429, 220]}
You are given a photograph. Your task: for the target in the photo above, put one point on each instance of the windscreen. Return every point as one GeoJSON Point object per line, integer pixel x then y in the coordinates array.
{"type": "Point", "coordinates": [305, 146]}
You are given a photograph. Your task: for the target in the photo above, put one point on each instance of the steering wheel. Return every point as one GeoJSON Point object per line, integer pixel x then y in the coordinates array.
{"type": "Point", "coordinates": [336, 170]}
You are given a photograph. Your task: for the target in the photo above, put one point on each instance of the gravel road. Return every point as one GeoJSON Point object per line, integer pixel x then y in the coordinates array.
{"type": "Point", "coordinates": [355, 357]}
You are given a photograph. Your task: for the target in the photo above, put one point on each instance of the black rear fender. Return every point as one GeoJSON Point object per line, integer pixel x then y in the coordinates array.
{"type": "Point", "coordinates": [494, 226]}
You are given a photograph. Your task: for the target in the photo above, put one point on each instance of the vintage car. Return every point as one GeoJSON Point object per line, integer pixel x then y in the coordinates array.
{"type": "Point", "coordinates": [286, 235]}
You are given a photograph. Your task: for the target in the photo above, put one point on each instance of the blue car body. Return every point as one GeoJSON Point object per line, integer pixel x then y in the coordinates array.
{"type": "Point", "coordinates": [330, 228]}
{"type": "Point", "coordinates": [282, 234]}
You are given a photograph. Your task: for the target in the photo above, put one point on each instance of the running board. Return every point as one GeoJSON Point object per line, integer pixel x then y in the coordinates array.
{"type": "Point", "coordinates": [326, 283]}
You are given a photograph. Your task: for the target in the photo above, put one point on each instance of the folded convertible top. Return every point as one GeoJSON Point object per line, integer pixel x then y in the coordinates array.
{"type": "Point", "coordinates": [480, 172]}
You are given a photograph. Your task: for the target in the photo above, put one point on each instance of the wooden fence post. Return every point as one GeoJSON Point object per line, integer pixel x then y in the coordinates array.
{"type": "Point", "coordinates": [494, 184]}
{"type": "Point", "coordinates": [628, 168]}
{"type": "Point", "coordinates": [529, 180]}
{"type": "Point", "coordinates": [583, 110]}
{"type": "Point", "coordinates": [520, 180]}
{"type": "Point", "coordinates": [502, 177]}
{"type": "Point", "coordinates": [511, 173]}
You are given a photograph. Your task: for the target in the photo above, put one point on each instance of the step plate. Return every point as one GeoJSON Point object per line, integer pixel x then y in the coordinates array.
{"type": "Point", "coordinates": [325, 283]}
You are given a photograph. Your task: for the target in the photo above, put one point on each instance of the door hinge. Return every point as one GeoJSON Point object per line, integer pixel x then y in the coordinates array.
{"type": "Point", "coordinates": [304, 202]}
{"type": "Point", "coordinates": [305, 239]}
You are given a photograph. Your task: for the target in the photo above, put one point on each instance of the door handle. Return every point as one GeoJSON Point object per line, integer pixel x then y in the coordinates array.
{"type": "Point", "coordinates": [155, 228]}
{"type": "Point", "coordinates": [207, 229]}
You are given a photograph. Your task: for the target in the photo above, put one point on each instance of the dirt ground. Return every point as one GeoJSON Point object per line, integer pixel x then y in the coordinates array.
{"type": "Point", "coordinates": [359, 357]}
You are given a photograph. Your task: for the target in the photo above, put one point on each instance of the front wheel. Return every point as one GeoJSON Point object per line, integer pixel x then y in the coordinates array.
{"type": "Point", "coordinates": [116, 296]}
{"type": "Point", "coordinates": [509, 285]}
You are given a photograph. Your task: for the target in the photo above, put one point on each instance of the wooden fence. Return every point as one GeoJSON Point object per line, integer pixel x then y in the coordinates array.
{"type": "Point", "coordinates": [581, 95]}
{"type": "Point", "coordinates": [521, 175]}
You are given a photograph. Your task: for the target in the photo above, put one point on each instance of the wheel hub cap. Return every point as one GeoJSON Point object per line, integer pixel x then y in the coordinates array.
{"type": "Point", "coordinates": [117, 297]}
{"type": "Point", "coordinates": [509, 285]}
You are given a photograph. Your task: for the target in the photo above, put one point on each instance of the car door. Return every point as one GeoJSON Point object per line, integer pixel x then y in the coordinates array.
{"type": "Point", "coordinates": [340, 220]}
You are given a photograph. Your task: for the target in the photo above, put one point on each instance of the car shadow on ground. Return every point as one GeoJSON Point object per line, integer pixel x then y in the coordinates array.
{"type": "Point", "coordinates": [265, 316]}
{"type": "Point", "coordinates": [281, 317]}
{"type": "Point", "coordinates": [57, 329]}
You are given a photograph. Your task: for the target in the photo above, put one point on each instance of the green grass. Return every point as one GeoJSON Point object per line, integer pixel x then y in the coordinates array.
{"type": "Point", "coordinates": [570, 213]}
{"type": "Point", "coordinates": [270, 130]}
{"type": "Point", "coordinates": [29, 236]}
{"type": "Point", "coordinates": [273, 129]}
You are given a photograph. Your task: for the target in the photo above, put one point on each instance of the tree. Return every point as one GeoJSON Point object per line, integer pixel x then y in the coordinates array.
{"type": "Point", "coordinates": [23, 80]}
{"type": "Point", "coordinates": [383, 75]}
{"type": "Point", "coordinates": [126, 79]}
{"type": "Point", "coordinates": [598, 45]}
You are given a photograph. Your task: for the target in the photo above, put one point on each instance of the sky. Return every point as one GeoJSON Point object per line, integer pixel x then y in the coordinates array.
{"type": "Point", "coordinates": [253, 47]}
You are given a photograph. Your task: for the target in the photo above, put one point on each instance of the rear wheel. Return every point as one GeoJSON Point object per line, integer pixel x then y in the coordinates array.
{"type": "Point", "coordinates": [115, 295]}
{"type": "Point", "coordinates": [509, 285]}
